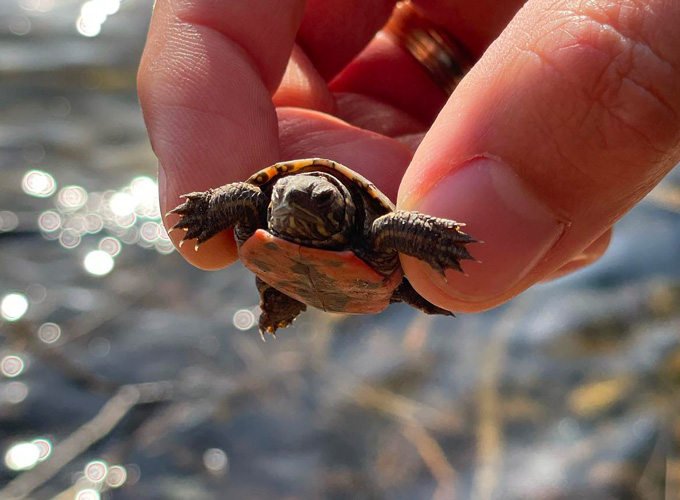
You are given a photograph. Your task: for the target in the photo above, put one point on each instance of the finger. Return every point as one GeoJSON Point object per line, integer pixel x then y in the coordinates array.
{"type": "Point", "coordinates": [303, 87]}
{"type": "Point", "coordinates": [387, 73]}
{"type": "Point", "coordinates": [474, 24]}
{"type": "Point", "coordinates": [332, 32]}
{"type": "Point", "coordinates": [205, 84]}
{"type": "Point", "coordinates": [369, 114]}
{"type": "Point", "coordinates": [587, 257]}
{"type": "Point", "coordinates": [564, 124]}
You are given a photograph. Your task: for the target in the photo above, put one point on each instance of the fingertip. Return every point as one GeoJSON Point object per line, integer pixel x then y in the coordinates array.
{"type": "Point", "coordinates": [590, 255]}
{"type": "Point", "coordinates": [441, 291]}
{"type": "Point", "coordinates": [517, 228]}
{"type": "Point", "coordinates": [216, 253]}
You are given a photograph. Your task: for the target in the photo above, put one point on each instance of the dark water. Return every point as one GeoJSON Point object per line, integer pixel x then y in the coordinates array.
{"type": "Point", "coordinates": [150, 382]}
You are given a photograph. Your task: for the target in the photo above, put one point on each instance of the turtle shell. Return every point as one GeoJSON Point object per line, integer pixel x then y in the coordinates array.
{"type": "Point", "coordinates": [378, 201]}
{"type": "Point", "coordinates": [333, 281]}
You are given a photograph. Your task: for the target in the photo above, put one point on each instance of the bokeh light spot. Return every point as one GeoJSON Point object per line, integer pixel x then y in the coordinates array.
{"type": "Point", "coordinates": [243, 319]}
{"type": "Point", "coordinates": [69, 238]}
{"type": "Point", "coordinates": [122, 204]}
{"type": "Point", "coordinates": [99, 347]}
{"type": "Point", "coordinates": [93, 223]}
{"type": "Point", "coordinates": [96, 471]}
{"type": "Point", "coordinates": [36, 293]}
{"type": "Point", "coordinates": [144, 189]}
{"type": "Point", "coordinates": [87, 27]}
{"type": "Point", "coordinates": [98, 263]}
{"type": "Point", "coordinates": [127, 221]}
{"type": "Point", "coordinates": [22, 456]}
{"type": "Point", "coordinates": [164, 246]}
{"type": "Point", "coordinates": [15, 392]}
{"type": "Point", "coordinates": [20, 26]}
{"type": "Point", "coordinates": [44, 447]}
{"type": "Point", "coordinates": [149, 231]}
{"type": "Point", "coordinates": [93, 12]}
{"type": "Point", "coordinates": [130, 235]}
{"type": "Point", "coordinates": [49, 332]}
{"type": "Point", "coordinates": [13, 306]}
{"type": "Point", "coordinates": [215, 460]}
{"type": "Point", "coordinates": [110, 245]}
{"type": "Point", "coordinates": [11, 366]}
{"type": "Point", "coordinates": [8, 221]}
{"type": "Point", "coordinates": [116, 476]}
{"type": "Point", "coordinates": [72, 197]}
{"type": "Point", "coordinates": [38, 183]}
{"type": "Point", "coordinates": [88, 494]}
{"type": "Point", "coordinates": [49, 221]}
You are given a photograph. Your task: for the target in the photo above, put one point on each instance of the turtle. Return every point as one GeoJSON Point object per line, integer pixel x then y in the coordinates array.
{"type": "Point", "coordinates": [316, 233]}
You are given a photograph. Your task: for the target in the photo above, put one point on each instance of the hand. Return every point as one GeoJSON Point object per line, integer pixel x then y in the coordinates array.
{"type": "Point", "coordinates": [568, 119]}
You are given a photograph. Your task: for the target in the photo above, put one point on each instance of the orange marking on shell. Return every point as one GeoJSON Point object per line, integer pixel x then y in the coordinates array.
{"type": "Point", "coordinates": [334, 281]}
{"type": "Point", "coordinates": [289, 167]}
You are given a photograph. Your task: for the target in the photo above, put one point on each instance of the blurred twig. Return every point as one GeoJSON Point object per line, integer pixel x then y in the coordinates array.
{"type": "Point", "coordinates": [489, 427]}
{"type": "Point", "coordinates": [435, 459]}
{"type": "Point", "coordinates": [666, 196]}
{"type": "Point", "coordinates": [406, 410]}
{"type": "Point", "coordinates": [63, 453]}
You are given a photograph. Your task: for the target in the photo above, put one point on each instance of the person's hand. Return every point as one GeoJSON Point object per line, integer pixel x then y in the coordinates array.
{"type": "Point", "coordinates": [568, 119]}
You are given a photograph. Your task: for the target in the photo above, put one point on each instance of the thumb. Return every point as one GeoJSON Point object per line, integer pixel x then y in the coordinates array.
{"type": "Point", "coordinates": [566, 122]}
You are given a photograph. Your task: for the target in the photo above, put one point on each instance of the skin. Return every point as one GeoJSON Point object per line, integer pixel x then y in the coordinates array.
{"type": "Point", "coordinates": [576, 104]}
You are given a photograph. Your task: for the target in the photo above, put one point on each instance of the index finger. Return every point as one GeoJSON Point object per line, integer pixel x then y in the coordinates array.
{"type": "Point", "coordinates": [205, 83]}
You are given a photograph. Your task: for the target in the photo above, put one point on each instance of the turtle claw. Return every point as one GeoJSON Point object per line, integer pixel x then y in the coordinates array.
{"type": "Point", "coordinates": [269, 330]}
{"type": "Point", "coordinates": [195, 218]}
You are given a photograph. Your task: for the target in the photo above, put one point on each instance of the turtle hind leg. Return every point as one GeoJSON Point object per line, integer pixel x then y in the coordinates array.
{"type": "Point", "coordinates": [406, 293]}
{"type": "Point", "coordinates": [278, 309]}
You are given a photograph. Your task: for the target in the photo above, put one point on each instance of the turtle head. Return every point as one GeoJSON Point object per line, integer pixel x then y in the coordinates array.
{"type": "Point", "coordinates": [314, 209]}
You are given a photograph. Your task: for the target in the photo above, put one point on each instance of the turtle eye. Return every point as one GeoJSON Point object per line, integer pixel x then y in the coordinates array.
{"type": "Point", "coordinates": [325, 198]}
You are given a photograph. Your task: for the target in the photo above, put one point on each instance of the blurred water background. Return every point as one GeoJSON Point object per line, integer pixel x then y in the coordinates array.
{"type": "Point", "coordinates": [127, 374]}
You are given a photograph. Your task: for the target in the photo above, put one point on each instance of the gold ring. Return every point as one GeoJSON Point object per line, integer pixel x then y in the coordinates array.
{"type": "Point", "coordinates": [440, 54]}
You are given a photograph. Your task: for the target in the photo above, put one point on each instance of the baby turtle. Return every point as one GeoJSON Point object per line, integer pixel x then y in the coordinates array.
{"type": "Point", "coordinates": [317, 233]}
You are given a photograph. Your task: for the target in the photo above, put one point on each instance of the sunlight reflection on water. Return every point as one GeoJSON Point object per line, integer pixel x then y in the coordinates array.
{"type": "Point", "coordinates": [13, 306]}
{"type": "Point", "coordinates": [22, 456]}
{"type": "Point", "coordinates": [131, 216]}
{"type": "Point", "coordinates": [38, 183]}
{"type": "Point", "coordinates": [116, 476]}
{"type": "Point", "coordinates": [11, 366]}
{"type": "Point", "coordinates": [49, 332]}
{"type": "Point", "coordinates": [93, 15]}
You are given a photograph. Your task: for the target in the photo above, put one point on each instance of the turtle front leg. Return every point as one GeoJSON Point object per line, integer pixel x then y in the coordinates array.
{"type": "Point", "coordinates": [278, 309]}
{"type": "Point", "coordinates": [204, 214]}
{"type": "Point", "coordinates": [439, 242]}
